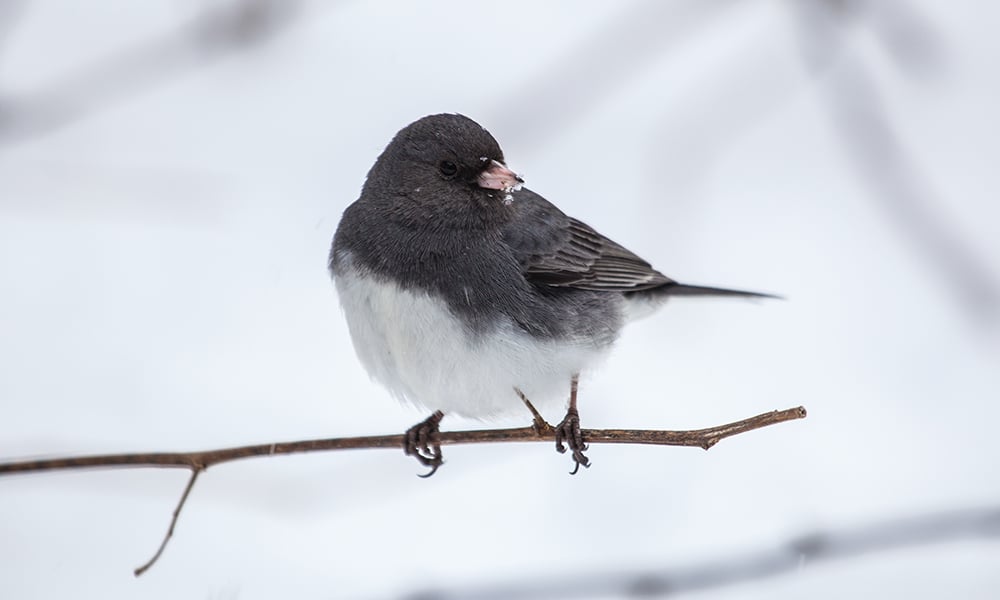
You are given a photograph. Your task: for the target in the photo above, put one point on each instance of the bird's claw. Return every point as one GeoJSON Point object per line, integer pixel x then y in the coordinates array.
{"type": "Point", "coordinates": [568, 431]}
{"type": "Point", "coordinates": [418, 442]}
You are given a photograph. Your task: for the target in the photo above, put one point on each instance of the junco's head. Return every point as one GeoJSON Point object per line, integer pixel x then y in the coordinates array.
{"type": "Point", "coordinates": [444, 161]}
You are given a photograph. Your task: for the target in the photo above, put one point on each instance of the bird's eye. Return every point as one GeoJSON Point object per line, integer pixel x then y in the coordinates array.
{"type": "Point", "coordinates": [447, 169]}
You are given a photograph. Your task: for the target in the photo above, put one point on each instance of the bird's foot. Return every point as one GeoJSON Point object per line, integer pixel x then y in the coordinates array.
{"type": "Point", "coordinates": [568, 431]}
{"type": "Point", "coordinates": [418, 443]}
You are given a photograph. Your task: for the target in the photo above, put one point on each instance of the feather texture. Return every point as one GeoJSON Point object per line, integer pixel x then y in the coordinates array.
{"type": "Point", "coordinates": [559, 251]}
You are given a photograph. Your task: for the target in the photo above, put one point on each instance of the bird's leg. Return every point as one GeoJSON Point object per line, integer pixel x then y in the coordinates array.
{"type": "Point", "coordinates": [539, 424]}
{"type": "Point", "coordinates": [568, 430]}
{"type": "Point", "coordinates": [418, 442]}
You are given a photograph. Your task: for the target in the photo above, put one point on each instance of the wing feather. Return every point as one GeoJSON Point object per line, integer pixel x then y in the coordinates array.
{"type": "Point", "coordinates": [560, 251]}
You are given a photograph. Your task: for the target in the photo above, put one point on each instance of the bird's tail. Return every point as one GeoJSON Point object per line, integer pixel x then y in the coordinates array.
{"type": "Point", "coordinates": [681, 289]}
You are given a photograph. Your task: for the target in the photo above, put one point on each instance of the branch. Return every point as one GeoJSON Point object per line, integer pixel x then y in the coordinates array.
{"type": "Point", "coordinates": [198, 461]}
{"type": "Point", "coordinates": [173, 523]}
{"type": "Point", "coordinates": [790, 556]}
{"type": "Point", "coordinates": [879, 156]}
{"type": "Point", "coordinates": [703, 438]}
{"type": "Point", "coordinates": [214, 33]}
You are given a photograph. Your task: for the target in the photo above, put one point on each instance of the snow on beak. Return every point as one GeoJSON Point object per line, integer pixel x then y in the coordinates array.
{"type": "Point", "coordinates": [498, 177]}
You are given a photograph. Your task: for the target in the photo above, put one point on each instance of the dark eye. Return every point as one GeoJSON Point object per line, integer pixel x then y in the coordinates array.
{"type": "Point", "coordinates": [448, 169]}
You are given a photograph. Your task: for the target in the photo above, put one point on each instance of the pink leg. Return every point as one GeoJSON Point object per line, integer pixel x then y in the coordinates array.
{"type": "Point", "coordinates": [568, 430]}
{"type": "Point", "coordinates": [418, 443]}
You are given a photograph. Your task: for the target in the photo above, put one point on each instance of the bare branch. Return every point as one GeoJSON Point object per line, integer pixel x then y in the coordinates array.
{"type": "Point", "coordinates": [173, 522]}
{"type": "Point", "coordinates": [197, 462]}
{"type": "Point", "coordinates": [702, 438]}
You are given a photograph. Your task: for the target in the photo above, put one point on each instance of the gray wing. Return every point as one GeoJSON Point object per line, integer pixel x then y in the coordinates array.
{"type": "Point", "coordinates": [559, 251]}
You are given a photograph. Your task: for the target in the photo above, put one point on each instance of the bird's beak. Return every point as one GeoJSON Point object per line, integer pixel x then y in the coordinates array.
{"type": "Point", "coordinates": [498, 177]}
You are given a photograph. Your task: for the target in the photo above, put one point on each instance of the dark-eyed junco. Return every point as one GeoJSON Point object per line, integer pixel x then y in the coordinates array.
{"type": "Point", "coordinates": [466, 293]}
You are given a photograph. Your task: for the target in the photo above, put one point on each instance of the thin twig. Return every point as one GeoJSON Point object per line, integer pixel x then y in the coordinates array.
{"type": "Point", "coordinates": [197, 462]}
{"type": "Point", "coordinates": [173, 522]}
{"type": "Point", "coordinates": [702, 438]}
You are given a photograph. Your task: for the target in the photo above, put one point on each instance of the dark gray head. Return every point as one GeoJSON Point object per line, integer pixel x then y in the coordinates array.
{"type": "Point", "coordinates": [442, 167]}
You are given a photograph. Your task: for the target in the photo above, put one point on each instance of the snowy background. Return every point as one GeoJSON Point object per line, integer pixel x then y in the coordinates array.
{"type": "Point", "coordinates": [171, 174]}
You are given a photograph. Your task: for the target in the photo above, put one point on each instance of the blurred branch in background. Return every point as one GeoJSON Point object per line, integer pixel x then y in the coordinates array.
{"type": "Point", "coordinates": [628, 45]}
{"type": "Point", "coordinates": [216, 32]}
{"type": "Point", "coordinates": [708, 120]}
{"type": "Point", "coordinates": [874, 149]}
{"type": "Point", "coordinates": [10, 12]}
{"type": "Point", "coordinates": [787, 558]}
{"type": "Point", "coordinates": [908, 37]}
{"type": "Point", "coordinates": [562, 92]}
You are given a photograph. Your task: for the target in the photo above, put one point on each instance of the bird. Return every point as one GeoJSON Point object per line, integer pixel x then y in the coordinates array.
{"type": "Point", "coordinates": [467, 293]}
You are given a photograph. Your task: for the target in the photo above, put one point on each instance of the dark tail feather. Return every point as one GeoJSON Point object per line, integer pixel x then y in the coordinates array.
{"type": "Point", "coordinates": [680, 289]}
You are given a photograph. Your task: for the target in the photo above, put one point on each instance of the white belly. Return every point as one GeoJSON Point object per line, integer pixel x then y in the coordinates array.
{"type": "Point", "coordinates": [412, 344]}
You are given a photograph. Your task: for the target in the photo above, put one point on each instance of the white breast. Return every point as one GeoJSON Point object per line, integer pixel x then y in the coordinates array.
{"type": "Point", "coordinates": [411, 343]}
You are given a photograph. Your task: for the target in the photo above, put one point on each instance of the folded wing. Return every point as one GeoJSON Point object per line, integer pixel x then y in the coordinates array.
{"type": "Point", "coordinates": [560, 251]}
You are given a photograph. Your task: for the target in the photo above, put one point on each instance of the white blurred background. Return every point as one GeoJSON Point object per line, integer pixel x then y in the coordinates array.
{"type": "Point", "coordinates": [171, 174]}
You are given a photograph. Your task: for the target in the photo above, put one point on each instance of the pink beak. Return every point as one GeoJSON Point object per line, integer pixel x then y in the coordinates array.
{"type": "Point", "coordinates": [498, 177]}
